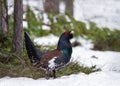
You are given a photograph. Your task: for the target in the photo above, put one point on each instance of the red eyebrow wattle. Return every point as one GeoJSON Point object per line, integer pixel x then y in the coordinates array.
{"type": "Point", "coordinates": [67, 33]}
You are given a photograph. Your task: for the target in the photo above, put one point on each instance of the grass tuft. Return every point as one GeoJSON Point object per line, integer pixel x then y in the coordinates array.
{"type": "Point", "coordinates": [75, 68]}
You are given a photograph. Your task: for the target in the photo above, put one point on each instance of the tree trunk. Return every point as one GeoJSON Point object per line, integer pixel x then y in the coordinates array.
{"type": "Point", "coordinates": [3, 17]}
{"type": "Point", "coordinates": [0, 17]}
{"type": "Point", "coordinates": [18, 27]}
{"type": "Point", "coordinates": [51, 6]}
{"type": "Point", "coordinates": [69, 6]}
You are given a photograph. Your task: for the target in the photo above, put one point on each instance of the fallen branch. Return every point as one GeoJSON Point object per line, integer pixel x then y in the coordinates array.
{"type": "Point", "coordinates": [9, 56]}
{"type": "Point", "coordinates": [3, 55]}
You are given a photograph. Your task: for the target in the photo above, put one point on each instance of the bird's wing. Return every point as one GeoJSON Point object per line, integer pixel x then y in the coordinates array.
{"type": "Point", "coordinates": [49, 55]}
{"type": "Point", "coordinates": [53, 59]}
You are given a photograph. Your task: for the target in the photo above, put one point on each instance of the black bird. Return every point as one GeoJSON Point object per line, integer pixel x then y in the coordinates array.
{"type": "Point", "coordinates": [52, 60]}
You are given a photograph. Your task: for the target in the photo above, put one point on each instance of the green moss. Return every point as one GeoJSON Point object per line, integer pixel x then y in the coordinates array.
{"type": "Point", "coordinates": [34, 24]}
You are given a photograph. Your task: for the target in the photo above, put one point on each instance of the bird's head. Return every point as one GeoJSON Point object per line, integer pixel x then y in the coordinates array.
{"type": "Point", "coordinates": [64, 41]}
{"type": "Point", "coordinates": [67, 35]}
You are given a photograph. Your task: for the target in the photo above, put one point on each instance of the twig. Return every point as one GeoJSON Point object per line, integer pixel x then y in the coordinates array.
{"type": "Point", "coordinates": [3, 55]}
{"type": "Point", "coordinates": [11, 55]}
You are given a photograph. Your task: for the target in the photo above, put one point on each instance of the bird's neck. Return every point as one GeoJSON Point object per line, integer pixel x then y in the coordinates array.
{"type": "Point", "coordinates": [64, 45]}
{"type": "Point", "coordinates": [65, 48]}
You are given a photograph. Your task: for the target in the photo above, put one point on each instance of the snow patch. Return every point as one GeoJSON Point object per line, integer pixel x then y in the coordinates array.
{"type": "Point", "coordinates": [47, 40]}
{"type": "Point", "coordinates": [87, 44]}
{"type": "Point", "coordinates": [106, 60]}
{"type": "Point", "coordinates": [103, 12]}
{"type": "Point", "coordinates": [62, 7]}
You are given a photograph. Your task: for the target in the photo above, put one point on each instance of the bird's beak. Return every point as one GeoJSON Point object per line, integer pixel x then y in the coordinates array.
{"type": "Point", "coordinates": [72, 32]}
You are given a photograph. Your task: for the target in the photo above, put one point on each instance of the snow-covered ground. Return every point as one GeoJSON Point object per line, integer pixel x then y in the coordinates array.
{"type": "Point", "coordinates": [105, 13]}
{"type": "Point", "coordinates": [94, 79]}
{"type": "Point", "coordinates": [108, 61]}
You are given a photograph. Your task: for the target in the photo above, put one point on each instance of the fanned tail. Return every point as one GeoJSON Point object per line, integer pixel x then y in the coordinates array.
{"type": "Point", "coordinates": [32, 52]}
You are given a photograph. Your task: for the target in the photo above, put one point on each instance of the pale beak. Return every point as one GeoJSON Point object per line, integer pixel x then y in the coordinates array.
{"type": "Point", "coordinates": [72, 32]}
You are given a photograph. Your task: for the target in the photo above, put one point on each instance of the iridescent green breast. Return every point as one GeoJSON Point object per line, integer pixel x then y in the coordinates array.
{"type": "Point", "coordinates": [67, 53]}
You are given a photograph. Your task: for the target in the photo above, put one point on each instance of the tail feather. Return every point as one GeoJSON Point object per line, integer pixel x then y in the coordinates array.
{"type": "Point", "coordinates": [32, 52]}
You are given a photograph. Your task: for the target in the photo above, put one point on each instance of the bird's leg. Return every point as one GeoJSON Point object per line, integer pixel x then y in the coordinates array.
{"type": "Point", "coordinates": [54, 75]}
{"type": "Point", "coordinates": [47, 74]}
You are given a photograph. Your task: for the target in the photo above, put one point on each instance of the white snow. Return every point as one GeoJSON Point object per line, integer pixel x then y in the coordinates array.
{"type": "Point", "coordinates": [103, 12]}
{"type": "Point", "coordinates": [108, 61]}
{"type": "Point", "coordinates": [47, 40]}
{"type": "Point", "coordinates": [87, 44]}
{"type": "Point", "coordinates": [62, 7]}
{"type": "Point", "coordinates": [94, 79]}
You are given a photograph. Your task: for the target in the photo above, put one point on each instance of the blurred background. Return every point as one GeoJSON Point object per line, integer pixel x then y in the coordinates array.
{"type": "Point", "coordinates": [90, 19]}
{"type": "Point", "coordinates": [104, 13]}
